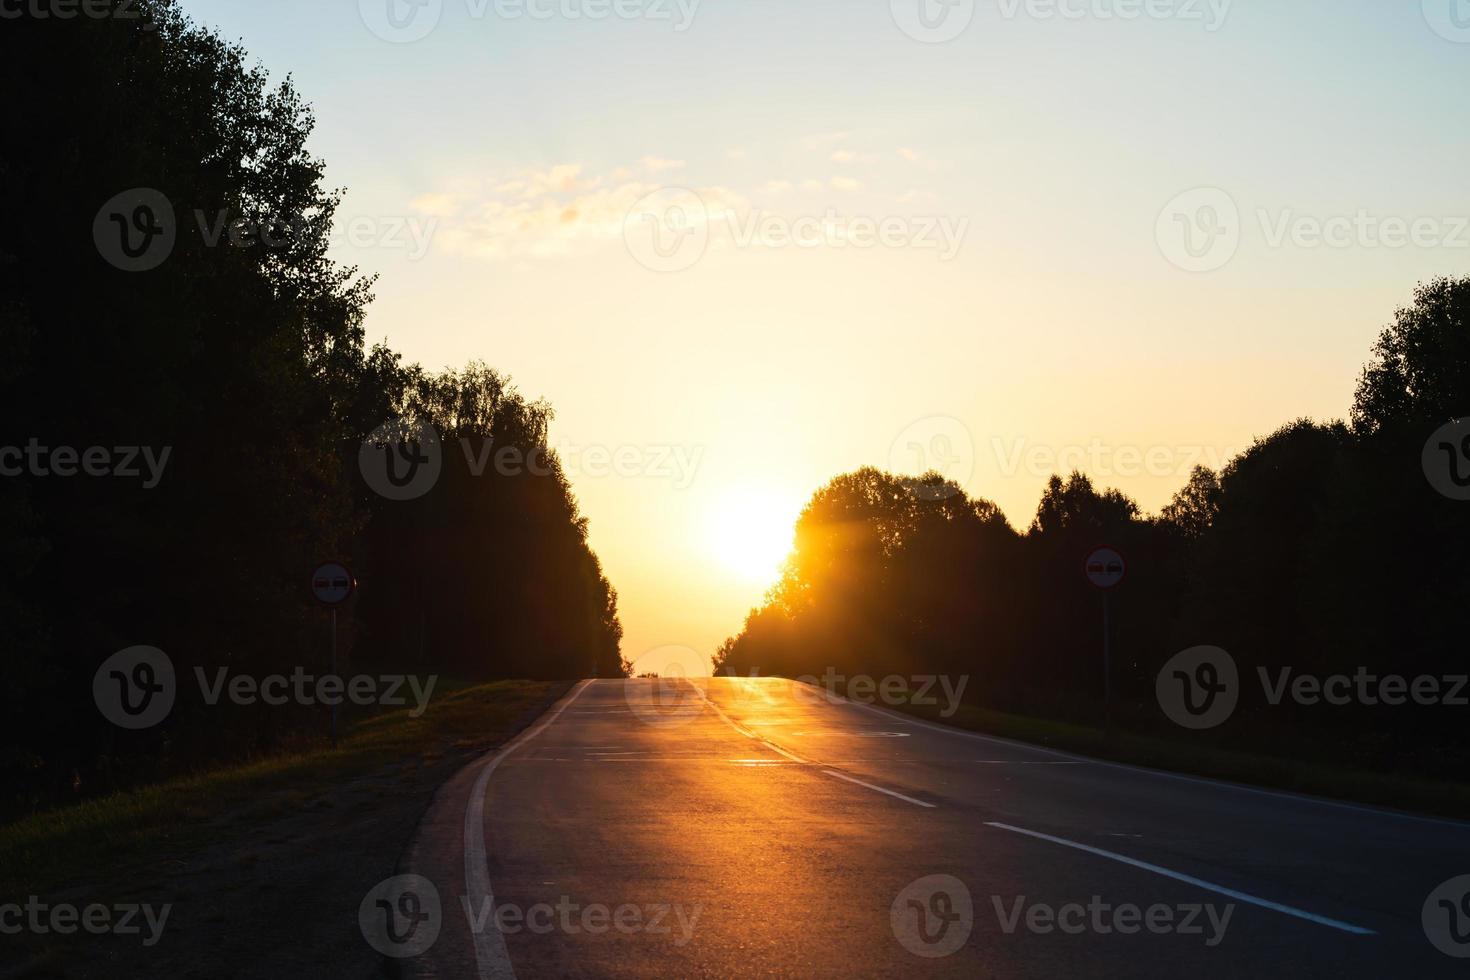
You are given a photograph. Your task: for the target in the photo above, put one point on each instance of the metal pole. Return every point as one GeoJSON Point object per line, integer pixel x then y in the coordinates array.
{"type": "Point", "coordinates": [1107, 669]}
{"type": "Point", "coordinates": [334, 674]}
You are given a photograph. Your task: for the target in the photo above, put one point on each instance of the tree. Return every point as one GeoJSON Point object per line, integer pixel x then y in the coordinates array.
{"type": "Point", "coordinates": [240, 353]}
{"type": "Point", "coordinates": [1195, 505]}
{"type": "Point", "coordinates": [1074, 506]}
{"type": "Point", "coordinates": [1419, 374]}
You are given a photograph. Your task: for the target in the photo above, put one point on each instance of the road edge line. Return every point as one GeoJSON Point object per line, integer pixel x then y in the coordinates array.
{"type": "Point", "coordinates": [1240, 896]}
{"type": "Point", "coordinates": [492, 958]}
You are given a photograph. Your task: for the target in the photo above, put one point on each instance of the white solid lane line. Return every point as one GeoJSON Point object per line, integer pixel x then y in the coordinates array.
{"type": "Point", "coordinates": [1191, 880]}
{"type": "Point", "coordinates": [1374, 811]}
{"type": "Point", "coordinates": [796, 758]}
{"type": "Point", "coordinates": [491, 956]}
{"type": "Point", "coordinates": [880, 789]}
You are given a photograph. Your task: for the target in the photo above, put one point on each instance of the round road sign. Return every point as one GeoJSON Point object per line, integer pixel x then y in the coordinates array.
{"type": "Point", "coordinates": [332, 583]}
{"type": "Point", "coordinates": [1105, 568]}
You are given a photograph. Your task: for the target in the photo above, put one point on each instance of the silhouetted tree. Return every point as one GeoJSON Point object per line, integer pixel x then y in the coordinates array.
{"type": "Point", "coordinates": [1419, 375]}
{"type": "Point", "coordinates": [1195, 506]}
{"type": "Point", "coordinates": [1322, 549]}
{"type": "Point", "coordinates": [242, 354]}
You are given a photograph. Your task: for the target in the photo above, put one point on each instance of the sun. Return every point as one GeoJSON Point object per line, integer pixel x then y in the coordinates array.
{"type": "Point", "coordinates": [750, 533]}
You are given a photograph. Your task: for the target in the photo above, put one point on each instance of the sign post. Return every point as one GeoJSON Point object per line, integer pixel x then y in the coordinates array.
{"type": "Point", "coordinates": [1105, 569]}
{"type": "Point", "coordinates": [332, 583]}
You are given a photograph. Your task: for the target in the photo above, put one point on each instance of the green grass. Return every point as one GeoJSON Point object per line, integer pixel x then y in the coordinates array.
{"type": "Point", "coordinates": [53, 847]}
{"type": "Point", "coordinates": [1296, 775]}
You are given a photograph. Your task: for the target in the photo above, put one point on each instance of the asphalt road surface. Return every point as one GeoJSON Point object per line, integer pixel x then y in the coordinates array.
{"type": "Point", "coordinates": [753, 827]}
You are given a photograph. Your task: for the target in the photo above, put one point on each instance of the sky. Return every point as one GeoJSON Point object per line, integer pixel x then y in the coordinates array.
{"type": "Point", "coordinates": [743, 247]}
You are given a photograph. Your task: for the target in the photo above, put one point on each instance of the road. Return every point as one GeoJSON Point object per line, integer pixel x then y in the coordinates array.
{"type": "Point", "coordinates": [751, 827]}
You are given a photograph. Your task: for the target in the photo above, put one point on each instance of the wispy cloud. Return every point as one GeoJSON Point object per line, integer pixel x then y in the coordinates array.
{"type": "Point", "coordinates": [537, 214]}
{"type": "Point", "coordinates": [526, 215]}
{"type": "Point", "coordinates": [659, 165]}
{"type": "Point", "coordinates": [438, 205]}
{"type": "Point", "coordinates": [826, 141]}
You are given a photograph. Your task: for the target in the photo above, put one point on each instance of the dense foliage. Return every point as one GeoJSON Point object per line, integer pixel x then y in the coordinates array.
{"type": "Point", "coordinates": [1322, 548]}
{"type": "Point", "coordinates": [243, 357]}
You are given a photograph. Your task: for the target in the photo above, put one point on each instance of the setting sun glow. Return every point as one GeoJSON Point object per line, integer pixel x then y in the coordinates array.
{"type": "Point", "coordinates": [750, 533]}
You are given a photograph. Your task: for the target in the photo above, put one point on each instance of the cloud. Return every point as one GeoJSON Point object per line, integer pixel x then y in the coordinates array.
{"type": "Point", "coordinates": [438, 205]}
{"type": "Point", "coordinates": [562, 177]}
{"type": "Point", "coordinates": [521, 216]}
{"type": "Point", "coordinates": [659, 165]}
{"type": "Point", "coordinates": [821, 141]}
{"type": "Point", "coordinates": [537, 214]}
{"type": "Point", "coordinates": [842, 156]}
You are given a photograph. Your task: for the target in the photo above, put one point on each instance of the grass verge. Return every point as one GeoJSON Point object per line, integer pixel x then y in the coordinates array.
{"type": "Point", "coordinates": [155, 824]}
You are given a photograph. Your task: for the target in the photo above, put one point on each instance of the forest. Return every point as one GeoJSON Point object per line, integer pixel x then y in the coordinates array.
{"type": "Point", "coordinates": [1329, 548]}
{"type": "Point", "coordinates": [236, 366]}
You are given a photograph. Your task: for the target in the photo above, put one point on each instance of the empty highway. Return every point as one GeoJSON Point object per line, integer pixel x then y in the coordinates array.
{"type": "Point", "coordinates": [754, 827]}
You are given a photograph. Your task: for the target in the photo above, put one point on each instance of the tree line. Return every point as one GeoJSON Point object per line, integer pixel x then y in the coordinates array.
{"type": "Point", "coordinates": [1324, 548]}
{"type": "Point", "coordinates": [241, 362]}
